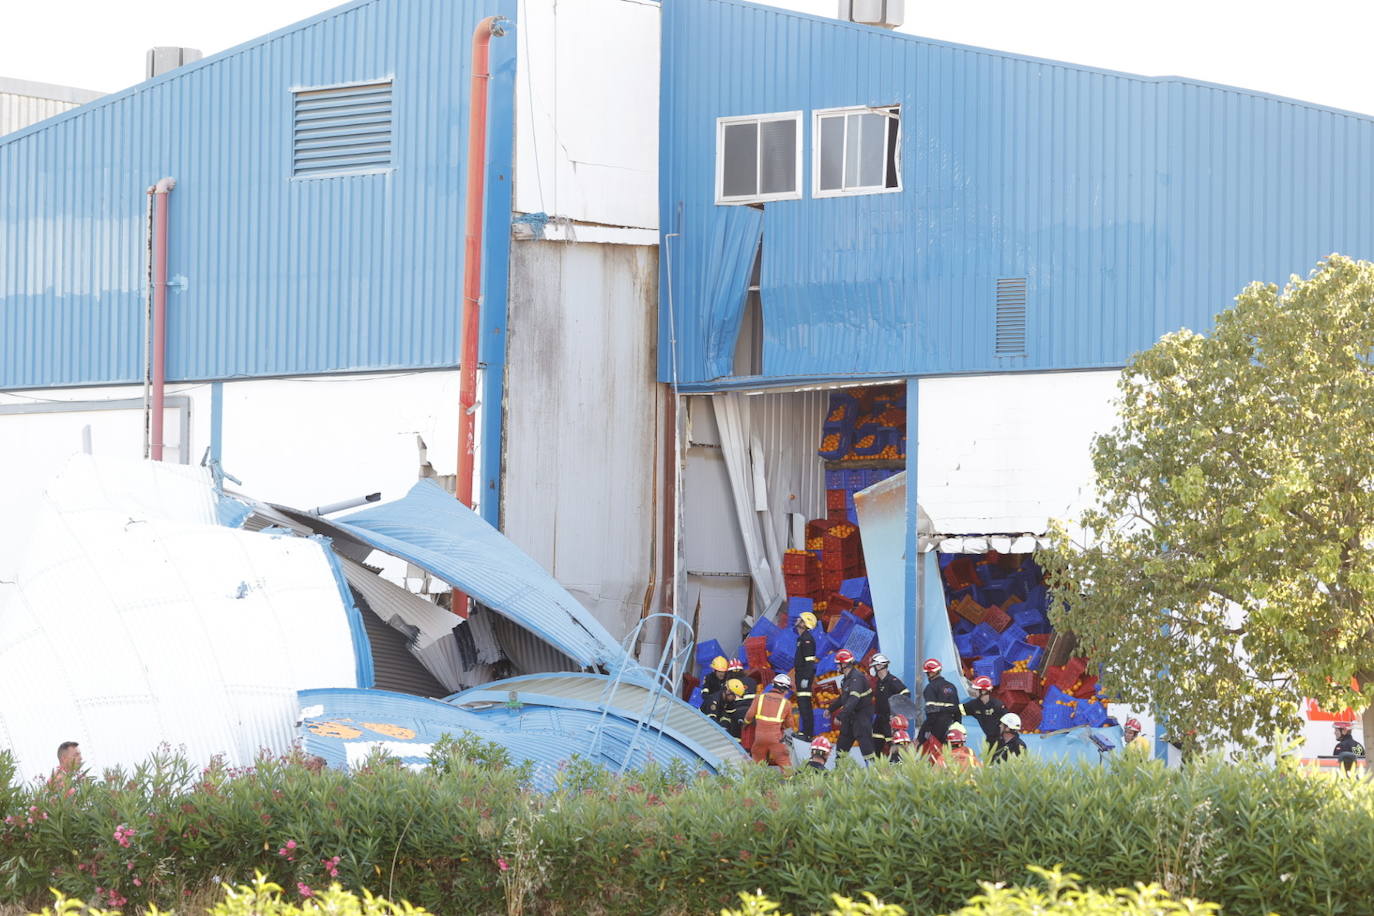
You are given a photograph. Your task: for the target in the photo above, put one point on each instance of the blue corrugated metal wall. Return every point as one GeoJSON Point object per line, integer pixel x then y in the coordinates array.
{"type": "Point", "coordinates": [1132, 206]}
{"type": "Point", "coordinates": [281, 276]}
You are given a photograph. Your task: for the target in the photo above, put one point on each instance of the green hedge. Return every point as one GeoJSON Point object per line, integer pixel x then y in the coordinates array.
{"type": "Point", "coordinates": [467, 837]}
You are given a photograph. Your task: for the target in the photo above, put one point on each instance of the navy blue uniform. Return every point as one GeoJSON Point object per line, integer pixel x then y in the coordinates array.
{"type": "Point", "coordinates": [855, 708]}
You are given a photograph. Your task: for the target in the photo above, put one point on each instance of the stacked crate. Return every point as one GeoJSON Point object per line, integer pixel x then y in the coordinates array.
{"type": "Point", "coordinates": [996, 606]}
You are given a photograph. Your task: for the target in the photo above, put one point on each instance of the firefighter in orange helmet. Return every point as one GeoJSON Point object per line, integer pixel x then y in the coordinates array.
{"type": "Point", "coordinates": [772, 717]}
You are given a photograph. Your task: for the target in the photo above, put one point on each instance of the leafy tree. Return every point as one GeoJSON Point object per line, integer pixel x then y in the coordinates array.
{"type": "Point", "coordinates": [1227, 570]}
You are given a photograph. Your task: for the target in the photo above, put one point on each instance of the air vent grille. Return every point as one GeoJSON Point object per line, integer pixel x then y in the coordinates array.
{"type": "Point", "coordinates": [1011, 317]}
{"type": "Point", "coordinates": [342, 129]}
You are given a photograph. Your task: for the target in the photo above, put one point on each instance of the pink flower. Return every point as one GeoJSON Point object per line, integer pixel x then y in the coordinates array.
{"type": "Point", "coordinates": [290, 844]}
{"type": "Point", "coordinates": [303, 889]}
{"type": "Point", "coordinates": [501, 864]}
{"type": "Point", "coordinates": [138, 882]}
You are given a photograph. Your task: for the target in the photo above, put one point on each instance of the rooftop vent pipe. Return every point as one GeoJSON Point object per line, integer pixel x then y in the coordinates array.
{"type": "Point", "coordinates": [160, 60]}
{"type": "Point", "coordinates": [886, 14]}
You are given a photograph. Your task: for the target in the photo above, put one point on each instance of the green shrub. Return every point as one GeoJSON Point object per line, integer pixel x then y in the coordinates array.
{"type": "Point", "coordinates": [466, 835]}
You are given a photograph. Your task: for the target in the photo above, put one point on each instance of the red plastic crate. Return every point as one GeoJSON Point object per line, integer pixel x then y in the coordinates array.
{"type": "Point", "coordinates": [862, 611]}
{"type": "Point", "coordinates": [997, 618]}
{"type": "Point", "coordinates": [1039, 639]}
{"type": "Point", "coordinates": [834, 499]}
{"type": "Point", "coordinates": [690, 682]}
{"type": "Point", "coordinates": [1060, 677]}
{"type": "Point", "coordinates": [1076, 666]}
{"type": "Point", "coordinates": [960, 573]}
{"type": "Point", "coordinates": [799, 562]}
{"type": "Point", "coordinates": [832, 579]}
{"type": "Point", "coordinates": [843, 549]}
{"type": "Point", "coordinates": [1023, 681]}
{"type": "Point", "coordinates": [838, 602]}
{"type": "Point", "coordinates": [756, 652]}
{"type": "Point", "coordinates": [1087, 688]}
{"type": "Point", "coordinates": [806, 586]}
{"type": "Point", "coordinates": [1031, 714]}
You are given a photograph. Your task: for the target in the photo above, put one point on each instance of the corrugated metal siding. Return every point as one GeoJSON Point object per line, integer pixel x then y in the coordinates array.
{"type": "Point", "coordinates": [281, 276]}
{"type": "Point", "coordinates": [19, 111]}
{"type": "Point", "coordinates": [1132, 206]}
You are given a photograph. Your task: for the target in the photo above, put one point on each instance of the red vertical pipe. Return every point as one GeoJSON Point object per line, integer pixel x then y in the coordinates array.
{"type": "Point", "coordinates": [159, 382]}
{"type": "Point", "coordinates": [472, 255]}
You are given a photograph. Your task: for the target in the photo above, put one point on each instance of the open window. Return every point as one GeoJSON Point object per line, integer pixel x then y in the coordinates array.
{"type": "Point", "coordinates": [857, 151]}
{"type": "Point", "coordinates": [758, 158]}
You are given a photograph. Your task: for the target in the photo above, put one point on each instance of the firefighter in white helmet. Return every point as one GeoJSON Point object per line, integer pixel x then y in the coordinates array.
{"type": "Point", "coordinates": [1009, 743]}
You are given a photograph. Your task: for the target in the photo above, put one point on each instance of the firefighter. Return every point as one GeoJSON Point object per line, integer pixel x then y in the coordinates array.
{"type": "Point", "coordinates": [901, 743]}
{"type": "Point", "coordinates": [772, 717]}
{"type": "Point", "coordinates": [854, 707]}
{"type": "Point", "coordinates": [712, 686]}
{"type": "Point", "coordinates": [942, 704]}
{"type": "Point", "coordinates": [987, 709]}
{"type": "Point", "coordinates": [1348, 750]}
{"type": "Point", "coordinates": [885, 687]}
{"type": "Point", "coordinates": [820, 753]}
{"type": "Point", "coordinates": [806, 672]}
{"type": "Point", "coordinates": [1135, 743]}
{"type": "Point", "coordinates": [737, 703]}
{"type": "Point", "coordinates": [958, 752]}
{"type": "Point", "coordinates": [1009, 743]}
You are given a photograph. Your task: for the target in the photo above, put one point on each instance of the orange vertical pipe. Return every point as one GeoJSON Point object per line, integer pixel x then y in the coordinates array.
{"type": "Point", "coordinates": [472, 255]}
{"type": "Point", "coordinates": [159, 354]}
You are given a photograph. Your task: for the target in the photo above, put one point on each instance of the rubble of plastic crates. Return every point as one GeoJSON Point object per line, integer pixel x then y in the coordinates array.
{"type": "Point", "coordinates": [863, 426]}
{"type": "Point", "coordinates": [1001, 631]}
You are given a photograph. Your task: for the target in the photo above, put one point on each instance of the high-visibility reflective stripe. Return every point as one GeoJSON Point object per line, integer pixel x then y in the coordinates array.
{"type": "Point", "coordinates": [934, 703]}
{"type": "Point", "coordinates": [803, 693]}
{"type": "Point", "coordinates": [904, 693]}
{"type": "Point", "coordinates": [809, 658]}
{"type": "Point", "coordinates": [778, 708]}
{"type": "Point", "coordinates": [860, 695]}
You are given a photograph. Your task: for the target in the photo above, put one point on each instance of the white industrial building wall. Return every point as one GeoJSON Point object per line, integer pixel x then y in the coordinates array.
{"type": "Point", "coordinates": [23, 103]}
{"type": "Point", "coordinates": [586, 145]}
{"type": "Point", "coordinates": [581, 457]}
{"type": "Point", "coordinates": [1006, 453]}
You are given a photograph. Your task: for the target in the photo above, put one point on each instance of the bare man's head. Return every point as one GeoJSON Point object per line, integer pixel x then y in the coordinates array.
{"type": "Point", "coordinates": [69, 756]}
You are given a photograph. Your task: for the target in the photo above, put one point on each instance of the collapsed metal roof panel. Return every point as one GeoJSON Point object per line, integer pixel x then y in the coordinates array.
{"type": "Point", "coordinates": [434, 531]}
{"type": "Point", "coordinates": [345, 726]}
{"type": "Point", "coordinates": [632, 698]}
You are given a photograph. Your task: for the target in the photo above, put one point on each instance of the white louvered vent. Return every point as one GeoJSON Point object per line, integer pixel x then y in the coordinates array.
{"type": "Point", "coordinates": [1011, 317]}
{"type": "Point", "coordinates": [342, 129]}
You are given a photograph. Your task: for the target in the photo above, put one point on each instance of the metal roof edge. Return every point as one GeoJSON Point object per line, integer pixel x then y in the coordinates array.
{"type": "Point", "coordinates": [183, 70]}
{"type": "Point", "coordinates": [50, 91]}
{"type": "Point", "coordinates": [1028, 58]}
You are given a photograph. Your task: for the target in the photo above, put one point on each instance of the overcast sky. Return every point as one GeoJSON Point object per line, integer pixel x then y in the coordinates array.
{"type": "Point", "coordinates": [1318, 52]}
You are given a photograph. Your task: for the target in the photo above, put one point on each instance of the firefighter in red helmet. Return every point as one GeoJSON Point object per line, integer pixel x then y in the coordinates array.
{"type": "Point", "coordinates": [854, 707]}
{"type": "Point", "coordinates": [987, 709]}
{"type": "Point", "coordinates": [941, 702]}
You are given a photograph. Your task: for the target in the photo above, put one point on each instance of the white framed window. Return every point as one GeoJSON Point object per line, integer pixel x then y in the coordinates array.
{"type": "Point", "coordinates": [857, 151]}
{"type": "Point", "coordinates": [758, 158]}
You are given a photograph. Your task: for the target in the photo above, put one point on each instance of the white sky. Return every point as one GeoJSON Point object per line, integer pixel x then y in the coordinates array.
{"type": "Point", "coordinates": [1317, 52]}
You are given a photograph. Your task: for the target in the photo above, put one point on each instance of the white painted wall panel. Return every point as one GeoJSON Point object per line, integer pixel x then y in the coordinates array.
{"type": "Point", "coordinates": [587, 111]}
{"type": "Point", "coordinates": [1006, 453]}
{"type": "Point", "coordinates": [582, 418]}
{"type": "Point", "coordinates": [23, 102]}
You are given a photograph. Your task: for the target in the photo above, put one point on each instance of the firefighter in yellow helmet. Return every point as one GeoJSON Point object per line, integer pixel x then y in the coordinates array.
{"type": "Point", "coordinates": [805, 669]}
{"type": "Point", "coordinates": [713, 687]}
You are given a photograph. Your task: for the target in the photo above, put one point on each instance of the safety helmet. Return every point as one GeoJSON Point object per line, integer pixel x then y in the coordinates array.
{"type": "Point", "coordinates": [1343, 725]}
{"type": "Point", "coordinates": [719, 663]}
{"type": "Point", "coordinates": [782, 681]}
{"type": "Point", "coordinates": [879, 661]}
{"type": "Point", "coordinates": [807, 620]}
{"type": "Point", "coordinates": [821, 743]}
{"type": "Point", "coordinates": [1134, 725]}
{"type": "Point", "coordinates": [735, 686]}
{"type": "Point", "coordinates": [899, 722]}
{"type": "Point", "coordinates": [844, 657]}
{"type": "Point", "coordinates": [956, 734]}
{"type": "Point", "coordinates": [901, 737]}
{"type": "Point", "coordinates": [982, 683]}
{"type": "Point", "coordinates": [1012, 721]}
{"type": "Point", "coordinates": [932, 666]}
{"type": "Point", "coordinates": [736, 665]}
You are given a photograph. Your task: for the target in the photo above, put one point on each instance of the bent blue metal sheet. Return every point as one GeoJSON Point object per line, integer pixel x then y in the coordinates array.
{"type": "Point", "coordinates": [345, 726]}
{"type": "Point", "coordinates": [434, 531]}
{"type": "Point", "coordinates": [632, 699]}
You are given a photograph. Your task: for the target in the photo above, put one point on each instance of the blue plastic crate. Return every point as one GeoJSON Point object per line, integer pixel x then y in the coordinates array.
{"type": "Point", "coordinates": [855, 479]}
{"type": "Point", "coordinates": [1012, 635]}
{"type": "Point", "coordinates": [783, 640]}
{"type": "Point", "coordinates": [825, 662]}
{"type": "Point", "coordinates": [990, 666]}
{"type": "Point", "coordinates": [695, 698]}
{"type": "Point", "coordinates": [963, 644]}
{"type": "Point", "coordinates": [820, 720]}
{"type": "Point", "coordinates": [860, 640]}
{"type": "Point", "coordinates": [1030, 619]}
{"type": "Point", "coordinates": [1036, 597]}
{"type": "Point", "coordinates": [782, 659]}
{"type": "Point", "coordinates": [839, 632]}
{"type": "Point", "coordinates": [764, 627]}
{"type": "Point", "coordinates": [836, 480]}
{"type": "Point", "coordinates": [857, 589]}
{"type": "Point", "coordinates": [796, 607]}
{"type": "Point", "coordinates": [982, 639]}
{"type": "Point", "coordinates": [1091, 712]}
{"type": "Point", "coordinates": [1056, 716]}
{"type": "Point", "coordinates": [708, 650]}
{"type": "Point", "coordinates": [824, 644]}
{"type": "Point", "coordinates": [961, 627]}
